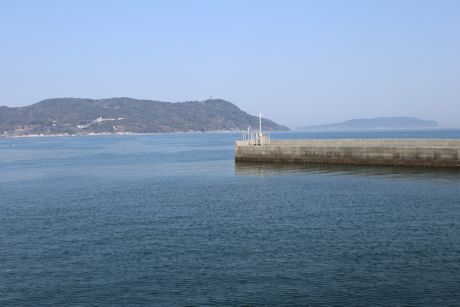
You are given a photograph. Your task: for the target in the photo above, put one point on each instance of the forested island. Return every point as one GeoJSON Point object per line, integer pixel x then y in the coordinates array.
{"type": "Point", "coordinates": [76, 116]}
{"type": "Point", "coordinates": [377, 123]}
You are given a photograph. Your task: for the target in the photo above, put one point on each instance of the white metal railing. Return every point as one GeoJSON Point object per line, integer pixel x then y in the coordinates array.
{"type": "Point", "coordinates": [256, 138]}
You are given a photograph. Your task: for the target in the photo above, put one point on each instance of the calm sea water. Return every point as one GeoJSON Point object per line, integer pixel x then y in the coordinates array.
{"type": "Point", "coordinates": [170, 220]}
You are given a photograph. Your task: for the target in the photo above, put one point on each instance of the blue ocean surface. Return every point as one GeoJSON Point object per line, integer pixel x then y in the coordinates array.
{"type": "Point", "coordinates": [171, 220]}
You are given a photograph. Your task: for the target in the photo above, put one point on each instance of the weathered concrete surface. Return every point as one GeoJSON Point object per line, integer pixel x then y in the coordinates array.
{"type": "Point", "coordinates": [407, 152]}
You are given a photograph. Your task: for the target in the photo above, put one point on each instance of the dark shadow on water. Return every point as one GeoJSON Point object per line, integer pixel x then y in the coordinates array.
{"type": "Point", "coordinates": [267, 168]}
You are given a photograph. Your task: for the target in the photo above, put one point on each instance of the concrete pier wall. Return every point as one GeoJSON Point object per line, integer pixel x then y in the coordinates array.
{"type": "Point", "coordinates": [410, 152]}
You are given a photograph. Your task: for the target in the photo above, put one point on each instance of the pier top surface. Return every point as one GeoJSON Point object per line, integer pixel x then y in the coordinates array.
{"type": "Point", "coordinates": [450, 143]}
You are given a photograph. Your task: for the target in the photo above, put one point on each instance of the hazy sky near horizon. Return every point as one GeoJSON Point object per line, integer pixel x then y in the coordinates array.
{"type": "Point", "coordinates": [297, 62]}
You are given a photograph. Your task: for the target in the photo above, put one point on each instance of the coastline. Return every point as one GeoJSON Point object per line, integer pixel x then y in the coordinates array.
{"type": "Point", "coordinates": [3, 136]}
{"type": "Point", "coordinates": [113, 134]}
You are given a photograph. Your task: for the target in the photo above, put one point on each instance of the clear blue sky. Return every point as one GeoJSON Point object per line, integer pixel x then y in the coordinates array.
{"type": "Point", "coordinates": [298, 62]}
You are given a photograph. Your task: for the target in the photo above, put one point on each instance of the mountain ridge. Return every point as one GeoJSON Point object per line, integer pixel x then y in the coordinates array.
{"type": "Point", "coordinates": [124, 115]}
{"type": "Point", "coordinates": [396, 122]}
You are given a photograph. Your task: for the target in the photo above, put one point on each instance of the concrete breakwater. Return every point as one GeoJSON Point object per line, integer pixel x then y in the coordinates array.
{"type": "Point", "coordinates": [399, 152]}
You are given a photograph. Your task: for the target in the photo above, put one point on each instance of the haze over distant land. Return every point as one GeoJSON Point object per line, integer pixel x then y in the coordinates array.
{"type": "Point", "coordinates": [297, 62]}
{"type": "Point", "coordinates": [377, 123]}
{"type": "Point", "coordinates": [126, 115]}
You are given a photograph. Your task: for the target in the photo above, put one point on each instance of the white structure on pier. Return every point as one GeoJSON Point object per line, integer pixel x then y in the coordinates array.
{"type": "Point", "coordinates": [257, 138]}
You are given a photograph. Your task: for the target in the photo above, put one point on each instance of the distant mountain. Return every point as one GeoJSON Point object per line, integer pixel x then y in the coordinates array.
{"type": "Point", "coordinates": [125, 115]}
{"type": "Point", "coordinates": [377, 123]}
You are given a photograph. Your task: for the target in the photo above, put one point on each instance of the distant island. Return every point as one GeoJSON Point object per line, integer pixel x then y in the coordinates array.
{"type": "Point", "coordinates": [75, 116]}
{"type": "Point", "coordinates": [377, 123]}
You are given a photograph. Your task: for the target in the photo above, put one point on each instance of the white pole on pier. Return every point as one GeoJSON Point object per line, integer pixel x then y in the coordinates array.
{"type": "Point", "coordinates": [260, 123]}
